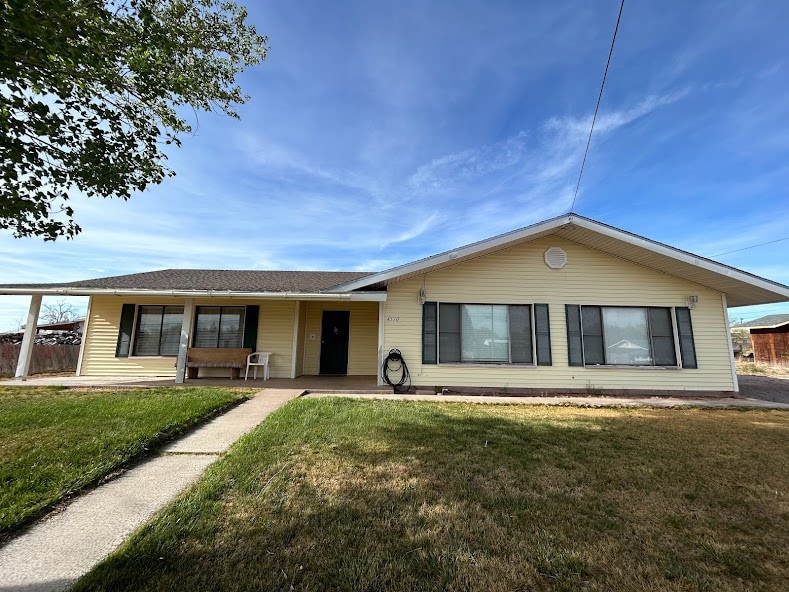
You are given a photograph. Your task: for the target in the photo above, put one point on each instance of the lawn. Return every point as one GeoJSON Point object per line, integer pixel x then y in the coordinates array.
{"type": "Point", "coordinates": [339, 494]}
{"type": "Point", "coordinates": [56, 441]}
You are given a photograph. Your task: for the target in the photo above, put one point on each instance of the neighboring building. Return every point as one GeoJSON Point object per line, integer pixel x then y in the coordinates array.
{"type": "Point", "coordinates": [74, 326]}
{"type": "Point", "coordinates": [566, 305]}
{"type": "Point", "coordinates": [770, 339]}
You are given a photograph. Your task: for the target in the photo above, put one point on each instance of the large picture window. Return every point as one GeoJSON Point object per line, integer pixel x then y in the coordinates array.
{"type": "Point", "coordinates": [219, 326]}
{"type": "Point", "coordinates": [628, 336]}
{"type": "Point", "coordinates": [484, 333]}
{"type": "Point", "coordinates": [158, 330]}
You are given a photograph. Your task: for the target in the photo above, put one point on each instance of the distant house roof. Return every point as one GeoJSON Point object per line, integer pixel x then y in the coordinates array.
{"type": "Point", "coordinates": [203, 280]}
{"type": "Point", "coordinates": [71, 325]}
{"type": "Point", "coordinates": [768, 322]}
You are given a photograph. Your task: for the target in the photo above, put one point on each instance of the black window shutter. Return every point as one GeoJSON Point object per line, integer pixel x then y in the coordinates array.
{"type": "Point", "coordinates": [592, 329]}
{"type": "Point", "coordinates": [449, 333]}
{"type": "Point", "coordinates": [429, 332]}
{"type": "Point", "coordinates": [542, 333]}
{"type": "Point", "coordinates": [575, 346]}
{"type": "Point", "coordinates": [520, 334]}
{"type": "Point", "coordinates": [687, 347]}
{"type": "Point", "coordinates": [251, 326]}
{"type": "Point", "coordinates": [662, 334]}
{"type": "Point", "coordinates": [125, 331]}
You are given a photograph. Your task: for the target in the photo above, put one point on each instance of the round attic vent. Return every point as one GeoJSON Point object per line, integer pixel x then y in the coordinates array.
{"type": "Point", "coordinates": [555, 258]}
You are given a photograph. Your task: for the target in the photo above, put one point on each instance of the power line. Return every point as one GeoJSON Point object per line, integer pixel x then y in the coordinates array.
{"type": "Point", "coordinates": [778, 240]}
{"type": "Point", "coordinates": [597, 107]}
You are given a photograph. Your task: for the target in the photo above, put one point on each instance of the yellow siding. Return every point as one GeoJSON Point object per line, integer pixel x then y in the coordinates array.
{"type": "Point", "coordinates": [362, 343]}
{"type": "Point", "coordinates": [519, 275]}
{"type": "Point", "coordinates": [275, 335]}
{"type": "Point", "coordinates": [102, 337]}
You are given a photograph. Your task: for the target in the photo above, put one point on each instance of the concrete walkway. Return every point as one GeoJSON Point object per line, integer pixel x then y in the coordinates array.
{"type": "Point", "coordinates": [56, 551]}
{"type": "Point", "coordinates": [571, 400]}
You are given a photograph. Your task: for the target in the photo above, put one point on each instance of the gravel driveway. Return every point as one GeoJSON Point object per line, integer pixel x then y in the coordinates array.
{"type": "Point", "coordinates": [765, 388]}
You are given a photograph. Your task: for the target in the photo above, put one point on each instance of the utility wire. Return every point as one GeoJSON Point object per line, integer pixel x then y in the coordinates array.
{"type": "Point", "coordinates": [778, 240]}
{"type": "Point", "coordinates": [597, 108]}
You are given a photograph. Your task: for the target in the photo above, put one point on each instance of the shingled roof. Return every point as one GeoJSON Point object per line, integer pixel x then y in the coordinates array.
{"type": "Point", "coordinates": [220, 280]}
{"type": "Point", "coordinates": [769, 321]}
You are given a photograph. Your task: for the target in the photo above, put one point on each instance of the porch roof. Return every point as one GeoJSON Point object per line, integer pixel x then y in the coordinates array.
{"type": "Point", "coordinates": [207, 282]}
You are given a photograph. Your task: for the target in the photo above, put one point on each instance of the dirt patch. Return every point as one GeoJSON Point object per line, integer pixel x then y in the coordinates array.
{"type": "Point", "coordinates": [765, 388]}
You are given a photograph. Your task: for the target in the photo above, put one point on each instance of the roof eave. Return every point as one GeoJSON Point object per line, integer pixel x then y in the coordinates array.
{"type": "Point", "coordinates": [777, 292]}
{"type": "Point", "coordinates": [453, 255]}
{"type": "Point", "coordinates": [378, 296]}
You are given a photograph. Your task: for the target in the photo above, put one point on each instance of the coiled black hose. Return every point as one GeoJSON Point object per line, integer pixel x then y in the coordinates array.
{"type": "Point", "coordinates": [394, 363]}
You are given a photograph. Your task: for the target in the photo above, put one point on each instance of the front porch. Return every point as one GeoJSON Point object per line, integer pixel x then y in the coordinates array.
{"type": "Point", "coordinates": [343, 384]}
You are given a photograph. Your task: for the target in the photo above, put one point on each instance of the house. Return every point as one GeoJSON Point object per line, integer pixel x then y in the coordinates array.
{"type": "Point", "coordinates": [565, 305]}
{"type": "Point", "coordinates": [769, 337]}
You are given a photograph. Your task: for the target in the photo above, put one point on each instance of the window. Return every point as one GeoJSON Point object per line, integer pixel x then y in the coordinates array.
{"type": "Point", "coordinates": [158, 330]}
{"type": "Point", "coordinates": [484, 333]}
{"type": "Point", "coordinates": [628, 336]}
{"type": "Point", "coordinates": [219, 326]}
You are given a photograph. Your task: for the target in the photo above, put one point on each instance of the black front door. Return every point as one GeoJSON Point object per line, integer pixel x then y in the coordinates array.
{"type": "Point", "coordinates": [334, 341]}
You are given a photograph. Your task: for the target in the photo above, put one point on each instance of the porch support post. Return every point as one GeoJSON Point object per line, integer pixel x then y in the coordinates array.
{"type": "Point", "coordinates": [26, 352]}
{"type": "Point", "coordinates": [183, 345]}
{"type": "Point", "coordinates": [380, 342]}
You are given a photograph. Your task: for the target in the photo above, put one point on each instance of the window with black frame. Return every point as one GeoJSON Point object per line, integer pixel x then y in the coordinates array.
{"type": "Point", "coordinates": [158, 330]}
{"type": "Point", "coordinates": [219, 326]}
{"type": "Point", "coordinates": [629, 336]}
{"type": "Point", "coordinates": [485, 333]}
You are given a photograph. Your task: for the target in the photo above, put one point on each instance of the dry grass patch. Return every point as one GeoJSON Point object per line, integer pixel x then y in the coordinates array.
{"type": "Point", "coordinates": [335, 494]}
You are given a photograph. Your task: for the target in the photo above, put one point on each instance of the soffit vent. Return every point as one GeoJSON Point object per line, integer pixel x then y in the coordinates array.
{"type": "Point", "coordinates": [555, 258]}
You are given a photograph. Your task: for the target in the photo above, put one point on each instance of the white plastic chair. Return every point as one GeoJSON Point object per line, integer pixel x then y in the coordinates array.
{"type": "Point", "coordinates": [257, 359]}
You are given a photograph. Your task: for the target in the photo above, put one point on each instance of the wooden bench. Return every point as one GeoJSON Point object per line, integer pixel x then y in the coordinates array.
{"type": "Point", "coordinates": [216, 357]}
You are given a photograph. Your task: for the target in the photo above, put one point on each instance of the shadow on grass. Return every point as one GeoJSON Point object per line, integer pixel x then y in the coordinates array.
{"type": "Point", "coordinates": [351, 495]}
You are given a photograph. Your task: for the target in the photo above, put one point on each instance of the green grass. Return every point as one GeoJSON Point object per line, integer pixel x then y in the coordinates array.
{"type": "Point", "coordinates": [56, 441]}
{"type": "Point", "coordinates": [336, 494]}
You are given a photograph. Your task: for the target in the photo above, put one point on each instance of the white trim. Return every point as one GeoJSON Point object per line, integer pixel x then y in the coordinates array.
{"type": "Point", "coordinates": [677, 344]}
{"type": "Point", "coordinates": [734, 379]}
{"type": "Point", "coordinates": [454, 254]}
{"type": "Point", "coordinates": [294, 353]}
{"type": "Point", "coordinates": [377, 296]}
{"type": "Point", "coordinates": [29, 339]}
{"type": "Point", "coordinates": [550, 225]}
{"type": "Point", "coordinates": [85, 326]}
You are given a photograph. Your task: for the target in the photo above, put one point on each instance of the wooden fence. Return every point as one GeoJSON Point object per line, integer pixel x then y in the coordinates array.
{"type": "Point", "coordinates": [46, 358]}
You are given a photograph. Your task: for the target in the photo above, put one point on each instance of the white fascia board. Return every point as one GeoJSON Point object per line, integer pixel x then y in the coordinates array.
{"type": "Point", "coordinates": [525, 233]}
{"type": "Point", "coordinates": [454, 254]}
{"type": "Point", "coordinates": [69, 291]}
{"type": "Point", "coordinates": [683, 256]}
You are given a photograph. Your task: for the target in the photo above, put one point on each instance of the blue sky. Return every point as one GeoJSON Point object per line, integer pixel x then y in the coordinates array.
{"type": "Point", "coordinates": [378, 133]}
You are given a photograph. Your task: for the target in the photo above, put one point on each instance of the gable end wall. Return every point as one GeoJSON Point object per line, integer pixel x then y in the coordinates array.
{"type": "Point", "coordinates": [519, 275]}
